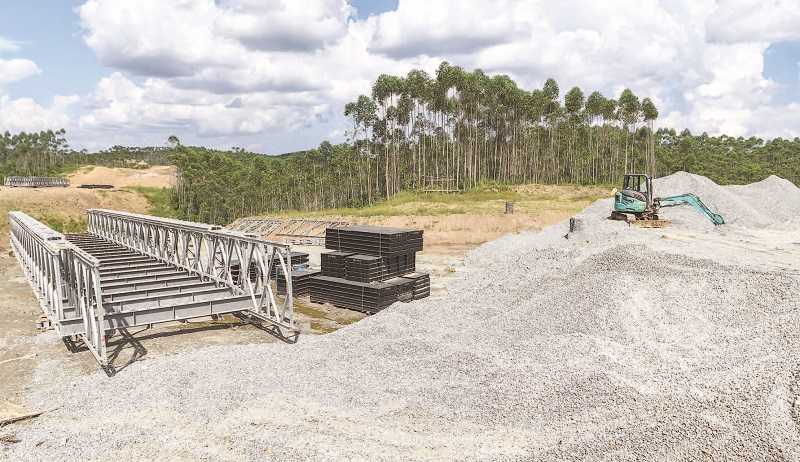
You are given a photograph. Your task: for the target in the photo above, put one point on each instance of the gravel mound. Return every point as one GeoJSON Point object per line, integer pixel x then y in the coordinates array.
{"type": "Point", "coordinates": [615, 343]}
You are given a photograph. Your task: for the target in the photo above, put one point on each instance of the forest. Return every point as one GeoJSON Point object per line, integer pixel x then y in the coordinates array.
{"type": "Point", "coordinates": [47, 153]}
{"type": "Point", "coordinates": [453, 131]}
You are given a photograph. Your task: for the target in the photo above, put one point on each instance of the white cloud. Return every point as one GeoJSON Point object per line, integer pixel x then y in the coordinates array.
{"type": "Point", "coordinates": [234, 69]}
{"type": "Point", "coordinates": [285, 25]}
{"type": "Point", "coordinates": [12, 70]}
{"type": "Point", "coordinates": [7, 45]}
{"type": "Point", "coordinates": [25, 114]}
{"type": "Point", "coordinates": [754, 20]}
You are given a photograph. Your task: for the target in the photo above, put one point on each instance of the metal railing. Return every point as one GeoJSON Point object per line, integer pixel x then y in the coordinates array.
{"type": "Point", "coordinates": [239, 261]}
{"type": "Point", "coordinates": [63, 277]}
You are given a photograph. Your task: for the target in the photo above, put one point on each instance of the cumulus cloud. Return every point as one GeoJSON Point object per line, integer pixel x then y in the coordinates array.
{"type": "Point", "coordinates": [448, 27]}
{"type": "Point", "coordinates": [284, 25]}
{"type": "Point", "coordinates": [12, 70]}
{"type": "Point", "coordinates": [120, 104]}
{"type": "Point", "coordinates": [754, 20]}
{"type": "Point", "coordinates": [231, 68]}
{"type": "Point", "coordinates": [25, 114]}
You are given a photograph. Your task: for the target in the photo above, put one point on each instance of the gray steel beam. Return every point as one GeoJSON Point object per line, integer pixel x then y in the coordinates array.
{"type": "Point", "coordinates": [119, 275]}
{"type": "Point", "coordinates": [127, 319]}
{"type": "Point", "coordinates": [173, 289]}
{"type": "Point", "coordinates": [154, 301]}
{"type": "Point", "coordinates": [130, 267]}
{"type": "Point", "coordinates": [153, 283]}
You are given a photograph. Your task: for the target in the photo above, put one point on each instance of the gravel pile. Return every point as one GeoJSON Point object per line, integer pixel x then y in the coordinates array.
{"type": "Point", "coordinates": [617, 343]}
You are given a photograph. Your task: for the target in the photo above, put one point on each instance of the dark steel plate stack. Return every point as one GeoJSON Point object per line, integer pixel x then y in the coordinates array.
{"type": "Point", "coordinates": [364, 271]}
{"type": "Point", "coordinates": [333, 264]}
{"type": "Point", "coordinates": [422, 284]}
{"type": "Point", "coordinates": [374, 240]}
{"type": "Point", "coordinates": [301, 282]}
{"type": "Point", "coordinates": [299, 259]}
{"type": "Point", "coordinates": [359, 296]}
{"type": "Point", "coordinates": [370, 268]}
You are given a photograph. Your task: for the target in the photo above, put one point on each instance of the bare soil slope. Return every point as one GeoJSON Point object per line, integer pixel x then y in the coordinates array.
{"type": "Point", "coordinates": [153, 177]}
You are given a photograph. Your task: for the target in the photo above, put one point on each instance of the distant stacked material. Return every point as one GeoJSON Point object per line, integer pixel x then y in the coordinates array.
{"type": "Point", "coordinates": [370, 268]}
{"type": "Point", "coordinates": [301, 282]}
{"type": "Point", "coordinates": [36, 182]}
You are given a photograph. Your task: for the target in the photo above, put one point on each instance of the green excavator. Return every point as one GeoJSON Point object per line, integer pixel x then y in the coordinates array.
{"type": "Point", "coordinates": [635, 203]}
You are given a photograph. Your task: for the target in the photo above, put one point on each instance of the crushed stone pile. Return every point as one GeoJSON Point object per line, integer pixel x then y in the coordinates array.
{"type": "Point", "coordinates": [617, 343]}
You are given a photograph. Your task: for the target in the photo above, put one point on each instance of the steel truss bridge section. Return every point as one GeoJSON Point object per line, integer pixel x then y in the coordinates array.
{"type": "Point", "coordinates": [36, 182]}
{"type": "Point", "coordinates": [136, 270]}
{"type": "Point", "coordinates": [294, 230]}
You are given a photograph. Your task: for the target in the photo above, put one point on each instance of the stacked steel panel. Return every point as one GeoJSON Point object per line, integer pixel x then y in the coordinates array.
{"type": "Point", "coordinates": [333, 264]}
{"type": "Point", "coordinates": [374, 240]}
{"type": "Point", "coordinates": [422, 284]}
{"type": "Point", "coordinates": [299, 261]}
{"type": "Point", "coordinates": [301, 282]}
{"type": "Point", "coordinates": [368, 267]}
{"type": "Point", "coordinates": [360, 296]}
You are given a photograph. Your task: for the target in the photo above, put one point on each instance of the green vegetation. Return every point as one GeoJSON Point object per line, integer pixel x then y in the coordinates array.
{"type": "Point", "coordinates": [482, 200]}
{"type": "Point", "coordinates": [47, 154]}
{"type": "Point", "coordinates": [458, 131]}
{"type": "Point", "coordinates": [160, 200]}
{"type": "Point", "coordinates": [63, 224]}
{"type": "Point", "coordinates": [728, 160]}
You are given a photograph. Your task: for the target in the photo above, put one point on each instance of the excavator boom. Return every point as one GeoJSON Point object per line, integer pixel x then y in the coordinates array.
{"type": "Point", "coordinates": [694, 201]}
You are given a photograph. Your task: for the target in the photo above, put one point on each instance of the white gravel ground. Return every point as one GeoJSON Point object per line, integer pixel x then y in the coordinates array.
{"type": "Point", "coordinates": [615, 344]}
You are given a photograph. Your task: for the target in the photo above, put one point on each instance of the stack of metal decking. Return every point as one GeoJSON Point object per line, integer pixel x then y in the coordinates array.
{"type": "Point", "coordinates": [301, 281]}
{"type": "Point", "coordinates": [360, 296]}
{"type": "Point", "coordinates": [370, 268]}
{"type": "Point", "coordinates": [299, 261]}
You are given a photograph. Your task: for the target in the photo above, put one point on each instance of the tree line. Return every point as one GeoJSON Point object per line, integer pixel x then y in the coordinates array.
{"type": "Point", "coordinates": [47, 153]}
{"type": "Point", "coordinates": [452, 131]}
{"type": "Point", "coordinates": [457, 129]}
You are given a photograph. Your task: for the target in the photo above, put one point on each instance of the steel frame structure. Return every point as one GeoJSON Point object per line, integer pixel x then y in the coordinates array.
{"type": "Point", "coordinates": [63, 277]}
{"type": "Point", "coordinates": [133, 270]}
{"type": "Point", "coordinates": [36, 182]}
{"type": "Point", "coordinates": [293, 230]}
{"type": "Point", "coordinates": [208, 251]}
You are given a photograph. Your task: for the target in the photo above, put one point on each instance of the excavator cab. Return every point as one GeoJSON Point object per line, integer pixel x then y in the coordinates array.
{"type": "Point", "coordinates": [640, 186]}
{"type": "Point", "coordinates": [636, 197]}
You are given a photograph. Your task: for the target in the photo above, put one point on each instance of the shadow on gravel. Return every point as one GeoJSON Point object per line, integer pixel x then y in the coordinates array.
{"type": "Point", "coordinates": [125, 340]}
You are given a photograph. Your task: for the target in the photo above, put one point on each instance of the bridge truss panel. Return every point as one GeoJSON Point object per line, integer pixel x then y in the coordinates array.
{"type": "Point", "coordinates": [239, 261]}
{"type": "Point", "coordinates": [63, 278]}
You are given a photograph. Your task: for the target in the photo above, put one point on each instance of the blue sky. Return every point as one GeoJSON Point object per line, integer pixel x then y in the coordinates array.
{"type": "Point", "coordinates": [273, 76]}
{"type": "Point", "coordinates": [49, 33]}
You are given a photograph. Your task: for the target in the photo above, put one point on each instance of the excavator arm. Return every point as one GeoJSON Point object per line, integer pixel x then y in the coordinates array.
{"type": "Point", "coordinates": [695, 202]}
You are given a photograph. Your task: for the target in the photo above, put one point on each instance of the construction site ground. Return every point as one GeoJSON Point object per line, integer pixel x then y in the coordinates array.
{"type": "Point", "coordinates": [453, 225]}
{"type": "Point", "coordinates": [611, 342]}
